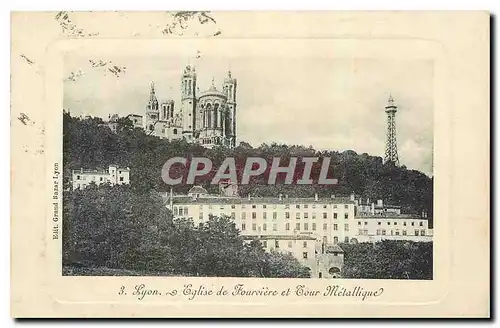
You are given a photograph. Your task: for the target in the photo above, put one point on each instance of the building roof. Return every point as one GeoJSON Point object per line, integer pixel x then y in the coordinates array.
{"type": "Point", "coordinates": [334, 249]}
{"type": "Point", "coordinates": [279, 237]}
{"type": "Point", "coordinates": [197, 190]}
{"type": "Point", "coordinates": [256, 200]}
{"type": "Point", "coordinates": [390, 216]}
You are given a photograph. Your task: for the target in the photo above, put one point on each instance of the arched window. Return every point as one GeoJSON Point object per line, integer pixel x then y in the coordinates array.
{"type": "Point", "coordinates": [175, 131]}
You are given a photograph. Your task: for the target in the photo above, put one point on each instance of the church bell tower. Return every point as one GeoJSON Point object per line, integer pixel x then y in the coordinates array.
{"type": "Point", "coordinates": [188, 102]}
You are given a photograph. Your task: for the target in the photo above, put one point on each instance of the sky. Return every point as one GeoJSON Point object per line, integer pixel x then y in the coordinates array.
{"type": "Point", "coordinates": [328, 103]}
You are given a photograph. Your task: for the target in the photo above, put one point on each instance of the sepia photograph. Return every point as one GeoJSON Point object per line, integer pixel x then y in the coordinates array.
{"type": "Point", "coordinates": [310, 167]}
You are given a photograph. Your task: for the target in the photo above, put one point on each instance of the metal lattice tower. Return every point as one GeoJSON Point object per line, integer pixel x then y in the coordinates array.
{"type": "Point", "coordinates": [391, 145]}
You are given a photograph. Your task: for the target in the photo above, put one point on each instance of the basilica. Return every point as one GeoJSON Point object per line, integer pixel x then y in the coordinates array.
{"type": "Point", "coordinates": [207, 117]}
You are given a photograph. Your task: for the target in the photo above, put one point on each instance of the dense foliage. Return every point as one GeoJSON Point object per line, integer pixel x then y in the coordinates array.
{"type": "Point", "coordinates": [118, 228]}
{"type": "Point", "coordinates": [90, 144]}
{"type": "Point", "coordinates": [388, 259]}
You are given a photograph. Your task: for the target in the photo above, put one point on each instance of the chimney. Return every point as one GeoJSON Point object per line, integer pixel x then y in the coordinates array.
{"type": "Point", "coordinates": [352, 197]}
{"type": "Point", "coordinates": [333, 195]}
{"type": "Point", "coordinates": [281, 197]}
{"type": "Point", "coordinates": [286, 195]}
{"type": "Point", "coordinates": [249, 197]}
{"type": "Point", "coordinates": [380, 202]}
{"type": "Point", "coordinates": [316, 197]}
{"type": "Point", "coordinates": [368, 201]}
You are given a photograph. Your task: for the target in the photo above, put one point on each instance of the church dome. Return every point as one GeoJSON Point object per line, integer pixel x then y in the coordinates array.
{"type": "Point", "coordinates": [212, 91]}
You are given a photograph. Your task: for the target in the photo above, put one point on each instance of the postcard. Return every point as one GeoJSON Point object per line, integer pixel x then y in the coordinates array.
{"type": "Point", "coordinates": [250, 164]}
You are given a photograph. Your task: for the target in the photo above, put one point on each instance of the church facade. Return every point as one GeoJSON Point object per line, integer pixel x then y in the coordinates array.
{"type": "Point", "coordinates": [207, 117]}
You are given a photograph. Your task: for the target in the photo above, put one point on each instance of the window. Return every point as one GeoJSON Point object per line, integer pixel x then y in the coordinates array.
{"type": "Point", "coordinates": [243, 215]}
{"type": "Point", "coordinates": [185, 210]}
{"type": "Point", "coordinates": [264, 227]}
{"type": "Point", "coordinates": [388, 223]}
{"type": "Point", "coordinates": [254, 215]}
{"type": "Point", "coordinates": [325, 226]}
{"type": "Point", "coordinates": [421, 223]}
{"type": "Point", "coordinates": [383, 232]}
{"type": "Point", "coordinates": [379, 223]}
{"type": "Point", "coordinates": [254, 206]}
{"type": "Point", "coordinates": [313, 205]}
{"type": "Point", "coordinates": [243, 206]}
{"type": "Point", "coordinates": [264, 243]}
{"type": "Point", "coordinates": [335, 240]}
{"type": "Point", "coordinates": [306, 215]}
{"type": "Point", "coordinates": [304, 255]}
{"type": "Point", "coordinates": [290, 244]}
{"type": "Point", "coordinates": [324, 205]}
{"type": "Point", "coordinates": [181, 211]}
{"type": "Point", "coordinates": [275, 215]}
{"type": "Point", "coordinates": [175, 210]}
{"type": "Point", "coordinates": [422, 232]}
{"type": "Point", "coordinates": [314, 215]}
{"type": "Point", "coordinates": [325, 215]}
{"type": "Point", "coordinates": [334, 215]}
{"type": "Point", "coordinates": [200, 216]}
{"type": "Point", "coordinates": [287, 226]}
{"type": "Point", "coordinates": [297, 206]}
{"type": "Point", "coordinates": [277, 243]}
{"type": "Point", "coordinates": [264, 206]}
{"type": "Point", "coordinates": [346, 206]}
{"type": "Point", "coordinates": [378, 232]}
{"type": "Point", "coordinates": [304, 244]}
{"type": "Point", "coordinates": [359, 223]}
{"type": "Point", "coordinates": [305, 206]}
{"type": "Point", "coordinates": [233, 206]}
{"type": "Point", "coordinates": [243, 227]}
{"type": "Point", "coordinates": [297, 215]}
{"type": "Point", "coordinates": [404, 223]}
{"type": "Point", "coordinates": [416, 232]}
{"type": "Point", "coordinates": [346, 216]}
{"type": "Point", "coordinates": [413, 223]}
{"type": "Point", "coordinates": [233, 215]}
{"type": "Point", "coordinates": [287, 206]}
{"type": "Point", "coordinates": [264, 215]}
{"type": "Point", "coordinates": [254, 226]}
{"type": "Point", "coordinates": [275, 227]}
{"type": "Point", "coordinates": [366, 223]}
{"type": "Point", "coordinates": [404, 232]}
{"type": "Point", "coordinates": [397, 232]}
{"type": "Point", "coordinates": [287, 215]}
{"type": "Point", "coordinates": [77, 177]}
{"type": "Point", "coordinates": [306, 226]}
{"type": "Point", "coordinates": [314, 226]}
{"type": "Point", "coordinates": [222, 207]}
{"type": "Point", "coordinates": [101, 179]}
{"type": "Point", "coordinates": [395, 223]}
{"type": "Point", "coordinates": [297, 226]}
{"type": "Point", "coordinates": [346, 227]}
{"type": "Point", "coordinates": [360, 232]}
{"type": "Point", "coordinates": [346, 239]}
{"type": "Point", "coordinates": [335, 226]}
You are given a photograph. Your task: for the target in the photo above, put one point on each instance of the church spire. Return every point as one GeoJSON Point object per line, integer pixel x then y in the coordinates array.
{"type": "Point", "coordinates": [152, 94]}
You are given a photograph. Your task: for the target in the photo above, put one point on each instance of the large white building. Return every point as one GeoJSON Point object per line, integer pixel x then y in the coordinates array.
{"type": "Point", "coordinates": [304, 227]}
{"type": "Point", "coordinates": [114, 176]}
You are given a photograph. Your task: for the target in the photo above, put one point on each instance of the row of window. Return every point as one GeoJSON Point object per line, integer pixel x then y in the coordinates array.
{"type": "Point", "coordinates": [277, 244]}
{"type": "Point", "coordinates": [94, 178]}
{"type": "Point", "coordinates": [184, 211]}
{"type": "Point", "coordinates": [421, 223]}
{"type": "Point", "coordinates": [383, 232]}
{"type": "Point", "coordinates": [298, 227]}
{"type": "Point", "coordinates": [274, 206]}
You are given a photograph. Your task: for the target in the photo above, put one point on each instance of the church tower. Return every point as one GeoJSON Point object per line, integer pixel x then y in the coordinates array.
{"type": "Point", "coordinates": [152, 110]}
{"type": "Point", "coordinates": [230, 91]}
{"type": "Point", "coordinates": [188, 102]}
